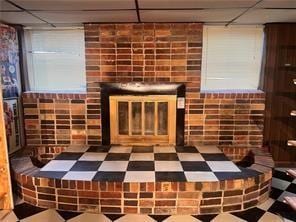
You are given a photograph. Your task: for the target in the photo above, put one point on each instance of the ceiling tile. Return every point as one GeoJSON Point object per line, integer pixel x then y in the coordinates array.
{"type": "Point", "coordinates": [261, 16]}
{"type": "Point", "coordinates": [75, 4]}
{"type": "Point", "coordinates": [89, 16]}
{"type": "Point", "coordinates": [19, 18]}
{"type": "Point", "coordinates": [277, 4]}
{"type": "Point", "coordinates": [208, 15]}
{"type": "Point", "coordinates": [195, 3]}
{"type": "Point", "coordinates": [6, 6]}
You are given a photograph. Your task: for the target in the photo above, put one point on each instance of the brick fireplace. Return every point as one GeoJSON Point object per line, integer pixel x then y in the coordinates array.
{"type": "Point", "coordinates": [151, 54]}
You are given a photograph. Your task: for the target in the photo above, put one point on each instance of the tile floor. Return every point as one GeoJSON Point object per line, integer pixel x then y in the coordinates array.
{"type": "Point", "coordinates": [273, 210]}
{"type": "Point", "coordinates": [143, 164]}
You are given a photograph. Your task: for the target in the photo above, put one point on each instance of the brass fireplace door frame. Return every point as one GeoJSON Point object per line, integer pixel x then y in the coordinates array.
{"type": "Point", "coordinates": [141, 139]}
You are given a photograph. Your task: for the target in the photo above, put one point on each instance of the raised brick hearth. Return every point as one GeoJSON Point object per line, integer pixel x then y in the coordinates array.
{"type": "Point", "coordinates": [234, 193]}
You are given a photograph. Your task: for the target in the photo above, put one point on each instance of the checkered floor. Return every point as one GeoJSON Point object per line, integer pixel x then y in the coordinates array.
{"type": "Point", "coordinates": [143, 164]}
{"type": "Point", "coordinates": [273, 210]}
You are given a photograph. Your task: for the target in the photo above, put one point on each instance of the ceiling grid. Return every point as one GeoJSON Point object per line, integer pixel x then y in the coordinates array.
{"type": "Point", "coordinates": [72, 12]}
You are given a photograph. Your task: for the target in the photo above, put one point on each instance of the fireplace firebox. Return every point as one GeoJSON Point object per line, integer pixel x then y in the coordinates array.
{"type": "Point", "coordinates": [142, 114]}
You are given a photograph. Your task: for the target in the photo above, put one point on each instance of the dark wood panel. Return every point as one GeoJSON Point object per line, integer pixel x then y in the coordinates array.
{"type": "Point", "coordinates": [280, 70]}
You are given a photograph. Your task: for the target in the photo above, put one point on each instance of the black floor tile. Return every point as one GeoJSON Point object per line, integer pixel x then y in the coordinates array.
{"type": "Point", "coordinates": [252, 215]}
{"type": "Point", "coordinates": [186, 149]}
{"type": "Point", "coordinates": [69, 156]}
{"type": "Point", "coordinates": [283, 209]}
{"type": "Point", "coordinates": [113, 217]}
{"type": "Point", "coordinates": [237, 175]}
{"type": "Point", "coordinates": [249, 172]}
{"type": "Point", "coordinates": [26, 210]}
{"type": "Point", "coordinates": [275, 193]}
{"type": "Point", "coordinates": [51, 174]}
{"type": "Point", "coordinates": [195, 166]}
{"type": "Point", "coordinates": [282, 175]}
{"type": "Point", "coordinates": [109, 176]}
{"type": "Point", "coordinates": [170, 176]}
{"type": "Point", "coordinates": [140, 166]}
{"type": "Point", "coordinates": [142, 149]}
{"type": "Point", "coordinates": [86, 166]}
{"type": "Point", "coordinates": [245, 173]}
{"type": "Point", "coordinates": [205, 218]}
{"type": "Point", "coordinates": [159, 218]}
{"type": "Point", "coordinates": [117, 156]}
{"type": "Point", "coordinates": [67, 215]}
{"type": "Point", "coordinates": [166, 156]}
{"type": "Point", "coordinates": [291, 188]}
{"type": "Point", "coordinates": [99, 149]}
{"type": "Point", "coordinates": [214, 157]}
{"type": "Point", "coordinates": [228, 175]}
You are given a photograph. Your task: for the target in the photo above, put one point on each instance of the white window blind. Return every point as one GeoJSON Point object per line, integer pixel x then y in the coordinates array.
{"type": "Point", "coordinates": [56, 60]}
{"type": "Point", "coordinates": [231, 57]}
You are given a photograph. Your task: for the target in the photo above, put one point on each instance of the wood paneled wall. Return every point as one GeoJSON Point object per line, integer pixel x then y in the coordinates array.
{"type": "Point", "coordinates": [5, 183]}
{"type": "Point", "coordinates": [280, 70]}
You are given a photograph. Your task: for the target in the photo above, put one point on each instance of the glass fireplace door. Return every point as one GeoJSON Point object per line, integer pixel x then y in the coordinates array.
{"type": "Point", "coordinates": [143, 119]}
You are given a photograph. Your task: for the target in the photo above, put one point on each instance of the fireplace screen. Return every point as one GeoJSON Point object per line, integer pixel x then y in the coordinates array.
{"type": "Point", "coordinates": [143, 119]}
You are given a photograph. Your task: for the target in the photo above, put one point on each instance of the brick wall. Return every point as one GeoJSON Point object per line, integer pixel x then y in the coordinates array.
{"type": "Point", "coordinates": [146, 53]}
{"type": "Point", "coordinates": [52, 119]}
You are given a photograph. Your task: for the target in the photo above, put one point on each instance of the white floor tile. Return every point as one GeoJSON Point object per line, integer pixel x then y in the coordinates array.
{"type": "Point", "coordinates": [286, 194]}
{"type": "Point", "coordinates": [45, 216]}
{"type": "Point", "coordinates": [267, 204]}
{"type": "Point", "coordinates": [88, 217]}
{"type": "Point", "coordinates": [181, 218]}
{"type": "Point", "coordinates": [270, 217]}
{"type": "Point", "coordinates": [279, 184]}
{"type": "Point", "coordinates": [200, 176]}
{"type": "Point", "coordinates": [77, 148]}
{"type": "Point", "coordinates": [93, 156]}
{"type": "Point", "coordinates": [139, 176]}
{"type": "Point", "coordinates": [135, 218]}
{"type": "Point", "coordinates": [223, 166]}
{"type": "Point", "coordinates": [113, 166]}
{"type": "Point", "coordinates": [168, 166]}
{"type": "Point", "coordinates": [190, 157]}
{"type": "Point", "coordinates": [226, 217]}
{"type": "Point", "coordinates": [79, 175]}
{"type": "Point", "coordinates": [208, 149]}
{"type": "Point", "coordinates": [8, 216]}
{"type": "Point", "coordinates": [59, 165]}
{"type": "Point", "coordinates": [164, 149]}
{"type": "Point", "coordinates": [142, 156]}
{"type": "Point", "coordinates": [120, 149]}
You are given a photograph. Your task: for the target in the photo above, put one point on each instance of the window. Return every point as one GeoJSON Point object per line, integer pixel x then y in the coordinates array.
{"type": "Point", "coordinates": [231, 57]}
{"type": "Point", "coordinates": [56, 60]}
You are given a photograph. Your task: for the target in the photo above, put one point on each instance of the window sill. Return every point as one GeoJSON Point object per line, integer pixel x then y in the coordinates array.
{"type": "Point", "coordinates": [232, 91]}
{"type": "Point", "coordinates": [56, 92]}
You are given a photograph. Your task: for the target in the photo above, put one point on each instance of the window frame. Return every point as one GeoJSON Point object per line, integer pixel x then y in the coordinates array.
{"type": "Point", "coordinates": [204, 65]}
{"type": "Point", "coordinates": [29, 75]}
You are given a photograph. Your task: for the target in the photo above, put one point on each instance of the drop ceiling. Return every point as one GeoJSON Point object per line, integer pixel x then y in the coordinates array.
{"type": "Point", "coordinates": [72, 12]}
